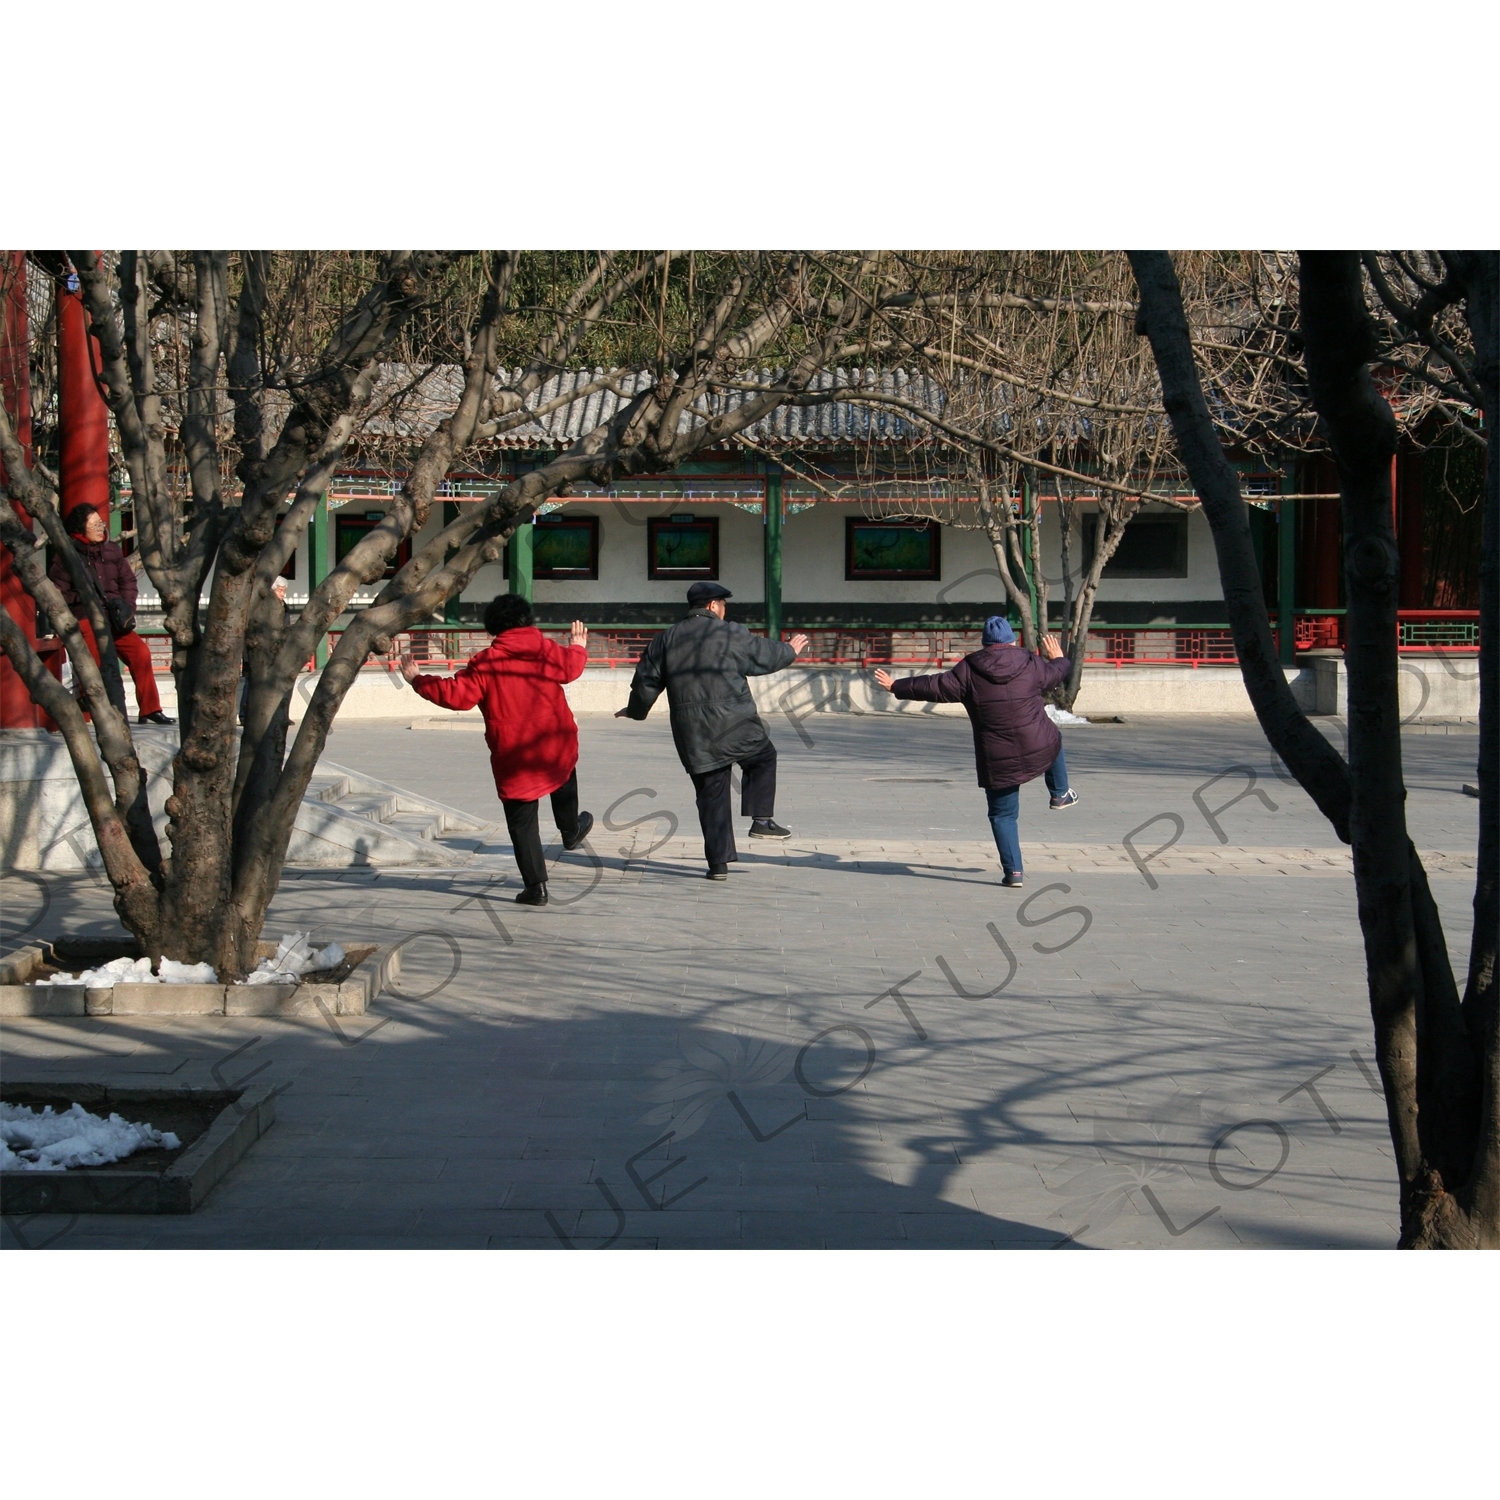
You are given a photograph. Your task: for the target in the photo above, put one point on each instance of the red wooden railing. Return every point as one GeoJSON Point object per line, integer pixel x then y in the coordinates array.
{"type": "Point", "coordinates": [1421, 632]}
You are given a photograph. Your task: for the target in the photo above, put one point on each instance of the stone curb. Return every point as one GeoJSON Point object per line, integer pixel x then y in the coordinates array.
{"type": "Point", "coordinates": [178, 1189]}
{"type": "Point", "coordinates": [378, 969]}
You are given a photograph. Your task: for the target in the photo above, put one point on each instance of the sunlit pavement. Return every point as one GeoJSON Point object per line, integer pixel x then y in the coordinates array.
{"type": "Point", "coordinates": [858, 1040]}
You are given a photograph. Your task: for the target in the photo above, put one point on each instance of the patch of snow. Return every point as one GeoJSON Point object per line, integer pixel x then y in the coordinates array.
{"type": "Point", "coordinates": [137, 971]}
{"type": "Point", "coordinates": [47, 1142]}
{"type": "Point", "coordinates": [172, 972]}
{"type": "Point", "coordinates": [294, 958]}
{"type": "Point", "coordinates": [1062, 716]}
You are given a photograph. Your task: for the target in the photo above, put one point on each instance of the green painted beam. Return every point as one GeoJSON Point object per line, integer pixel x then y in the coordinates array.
{"type": "Point", "coordinates": [518, 556]}
{"type": "Point", "coordinates": [773, 520]}
{"type": "Point", "coordinates": [1029, 511]}
{"type": "Point", "coordinates": [317, 569]}
{"type": "Point", "coordinates": [450, 609]}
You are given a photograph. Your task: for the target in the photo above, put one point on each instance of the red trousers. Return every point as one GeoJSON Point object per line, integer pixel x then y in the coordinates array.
{"type": "Point", "coordinates": [136, 655]}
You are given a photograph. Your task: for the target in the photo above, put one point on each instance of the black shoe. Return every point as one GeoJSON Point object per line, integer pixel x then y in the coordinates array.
{"type": "Point", "coordinates": [1013, 881]}
{"type": "Point", "coordinates": [718, 872]}
{"type": "Point", "coordinates": [768, 828]}
{"type": "Point", "coordinates": [585, 822]}
{"type": "Point", "coordinates": [159, 718]}
{"type": "Point", "coordinates": [533, 895]}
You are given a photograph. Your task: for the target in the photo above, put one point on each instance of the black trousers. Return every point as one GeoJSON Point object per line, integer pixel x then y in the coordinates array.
{"type": "Point", "coordinates": [757, 800]}
{"type": "Point", "coordinates": [520, 819]}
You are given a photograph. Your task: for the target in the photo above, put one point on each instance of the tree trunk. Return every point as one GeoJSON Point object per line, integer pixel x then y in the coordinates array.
{"type": "Point", "coordinates": [1000, 526]}
{"type": "Point", "coordinates": [1429, 1069]}
{"type": "Point", "coordinates": [1114, 516]}
{"type": "Point", "coordinates": [1481, 1003]}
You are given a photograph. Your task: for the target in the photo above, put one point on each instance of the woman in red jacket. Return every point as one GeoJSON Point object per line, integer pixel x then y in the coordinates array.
{"type": "Point", "coordinates": [517, 681]}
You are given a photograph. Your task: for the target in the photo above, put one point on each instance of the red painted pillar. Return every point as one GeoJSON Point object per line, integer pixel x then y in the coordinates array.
{"type": "Point", "coordinates": [83, 418]}
{"type": "Point", "coordinates": [17, 711]}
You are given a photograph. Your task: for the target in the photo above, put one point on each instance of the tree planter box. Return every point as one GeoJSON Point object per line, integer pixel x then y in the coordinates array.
{"type": "Point", "coordinates": [347, 991]}
{"type": "Point", "coordinates": [174, 1186]}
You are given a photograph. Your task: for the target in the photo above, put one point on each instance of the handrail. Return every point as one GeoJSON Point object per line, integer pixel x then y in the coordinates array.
{"type": "Point", "coordinates": [1424, 632]}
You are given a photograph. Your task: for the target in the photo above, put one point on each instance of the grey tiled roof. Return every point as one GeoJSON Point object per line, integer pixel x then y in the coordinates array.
{"type": "Point", "coordinates": [836, 423]}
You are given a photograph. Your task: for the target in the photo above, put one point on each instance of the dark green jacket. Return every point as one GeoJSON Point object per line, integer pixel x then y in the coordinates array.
{"type": "Point", "coordinates": [702, 662]}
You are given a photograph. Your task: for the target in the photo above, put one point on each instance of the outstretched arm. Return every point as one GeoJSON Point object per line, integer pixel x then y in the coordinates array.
{"type": "Point", "coordinates": [760, 655]}
{"type": "Point", "coordinates": [459, 692]}
{"type": "Point", "coordinates": [1056, 666]}
{"type": "Point", "coordinates": [938, 687]}
{"type": "Point", "coordinates": [646, 685]}
{"type": "Point", "coordinates": [566, 663]}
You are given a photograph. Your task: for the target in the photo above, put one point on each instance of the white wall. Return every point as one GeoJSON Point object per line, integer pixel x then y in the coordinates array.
{"type": "Point", "coordinates": [812, 565]}
{"type": "Point", "coordinates": [622, 555]}
{"type": "Point", "coordinates": [812, 562]}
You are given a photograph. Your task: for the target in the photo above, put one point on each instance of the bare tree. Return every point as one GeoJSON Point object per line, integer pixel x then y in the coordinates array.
{"type": "Point", "coordinates": [277, 363]}
{"type": "Point", "coordinates": [1439, 1056]}
{"type": "Point", "coordinates": [1042, 389]}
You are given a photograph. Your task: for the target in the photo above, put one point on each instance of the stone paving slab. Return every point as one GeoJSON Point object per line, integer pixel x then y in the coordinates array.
{"type": "Point", "coordinates": [859, 1040]}
{"type": "Point", "coordinates": [978, 857]}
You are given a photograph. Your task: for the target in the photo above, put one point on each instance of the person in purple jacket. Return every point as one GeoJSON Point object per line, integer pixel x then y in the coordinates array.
{"type": "Point", "coordinates": [1002, 686]}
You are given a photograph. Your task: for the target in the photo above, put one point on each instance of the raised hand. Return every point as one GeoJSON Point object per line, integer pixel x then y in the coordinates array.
{"type": "Point", "coordinates": [798, 643]}
{"type": "Point", "coordinates": [1050, 647]}
{"type": "Point", "coordinates": [409, 668]}
{"type": "Point", "coordinates": [884, 679]}
{"type": "Point", "coordinates": [578, 635]}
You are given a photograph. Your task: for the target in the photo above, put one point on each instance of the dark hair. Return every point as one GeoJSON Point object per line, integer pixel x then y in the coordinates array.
{"type": "Point", "coordinates": [76, 521]}
{"type": "Point", "coordinates": [506, 612]}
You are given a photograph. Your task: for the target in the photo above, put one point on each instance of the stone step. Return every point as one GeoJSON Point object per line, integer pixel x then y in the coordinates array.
{"type": "Point", "coordinates": [345, 818]}
{"type": "Point", "coordinates": [379, 807]}
{"type": "Point", "coordinates": [419, 824]}
{"type": "Point", "coordinates": [375, 822]}
{"type": "Point", "coordinates": [327, 788]}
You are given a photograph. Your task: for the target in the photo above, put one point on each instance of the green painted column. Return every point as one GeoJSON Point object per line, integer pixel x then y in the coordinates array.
{"type": "Point", "coordinates": [773, 519]}
{"type": "Point", "coordinates": [1286, 579]}
{"type": "Point", "coordinates": [1028, 512]}
{"type": "Point", "coordinates": [450, 609]}
{"type": "Point", "coordinates": [317, 567]}
{"type": "Point", "coordinates": [518, 555]}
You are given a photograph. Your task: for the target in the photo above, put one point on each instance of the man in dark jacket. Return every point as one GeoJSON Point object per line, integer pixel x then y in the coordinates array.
{"type": "Point", "coordinates": [1002, 686]}
{"type": "Point", "coordinates": [116, 580]}
{"type": "Point", "coordinates": [702, 662]}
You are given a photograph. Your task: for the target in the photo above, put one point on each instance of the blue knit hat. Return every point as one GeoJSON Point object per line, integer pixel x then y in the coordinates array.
{"type": "Point", "coordinates": [997, 631]}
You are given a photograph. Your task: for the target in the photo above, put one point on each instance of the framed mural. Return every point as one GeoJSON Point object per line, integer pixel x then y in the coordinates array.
{"type": "Point", "coordinates": [891, 549]}
{"type": "Point", "coordinates": [349, 531]}
{"type": "Point", "coordinates": [1152, 547]}
{"type": "Point", "coordinates": [682, 547]}
{"type": "Point", "coordinates": [565, 547]}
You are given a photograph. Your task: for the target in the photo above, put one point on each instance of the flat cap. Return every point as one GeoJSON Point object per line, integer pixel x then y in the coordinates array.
{"type": "Point", "coordinates": [701, 592]}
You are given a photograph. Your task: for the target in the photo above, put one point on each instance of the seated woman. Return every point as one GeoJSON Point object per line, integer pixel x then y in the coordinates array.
{"type": "Point", "coordinates": [116, 580]}
{"type": "Point", "coordinates": [517, 681]}
{"type": "Point", "coordinates": [1002, 687]}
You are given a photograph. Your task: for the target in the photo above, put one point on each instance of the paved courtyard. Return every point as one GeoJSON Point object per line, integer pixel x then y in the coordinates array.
{"type": "Point", "coordinates": [859, 1041]}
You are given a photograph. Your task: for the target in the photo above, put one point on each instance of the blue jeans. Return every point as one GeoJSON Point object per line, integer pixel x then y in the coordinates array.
{"type": "Point", "coordinates": [1005, 806]}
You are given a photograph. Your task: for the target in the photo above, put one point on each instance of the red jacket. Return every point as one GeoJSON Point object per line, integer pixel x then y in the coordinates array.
{"type": "Point", "coordinates": [517, 683]}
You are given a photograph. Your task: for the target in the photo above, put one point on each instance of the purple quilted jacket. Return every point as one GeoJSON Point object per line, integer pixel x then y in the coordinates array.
{"type": "Point", "coordinates": [1002, 688]}
{"type": "Point", "coordinates": [114, 573]}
